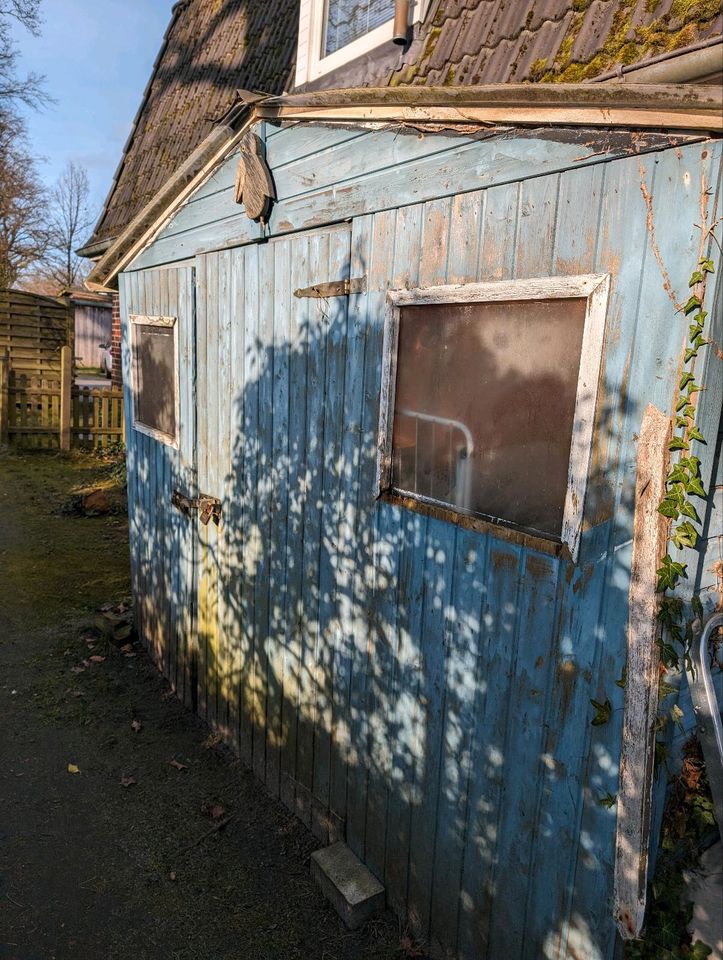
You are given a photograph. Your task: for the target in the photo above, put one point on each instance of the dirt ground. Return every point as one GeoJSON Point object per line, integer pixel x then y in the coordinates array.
{"type": "Point", "coordinates": [106, 848]}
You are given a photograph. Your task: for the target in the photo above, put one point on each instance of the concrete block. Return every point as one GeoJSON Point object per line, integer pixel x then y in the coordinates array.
{"type": "Point", "coordinates": [352, 889]}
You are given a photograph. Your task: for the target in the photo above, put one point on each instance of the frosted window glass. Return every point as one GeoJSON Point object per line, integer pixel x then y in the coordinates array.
{"type": "Point", "coordinates": [347, 20]}
{"type": "Point", "coordinates": [155, 377]}
{"type": "Point", "coordinates": [484, 407]}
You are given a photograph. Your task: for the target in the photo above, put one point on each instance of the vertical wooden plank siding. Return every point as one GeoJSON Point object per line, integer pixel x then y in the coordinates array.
{"type": "Point", "coordinates": [418, 689]}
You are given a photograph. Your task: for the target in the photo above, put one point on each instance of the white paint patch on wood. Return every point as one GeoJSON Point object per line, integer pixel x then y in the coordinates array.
{"type": "Point", "coordinates": [641, 688]}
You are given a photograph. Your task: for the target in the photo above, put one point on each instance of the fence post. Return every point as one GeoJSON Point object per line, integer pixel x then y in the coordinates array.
{"type": "Point", "coordinates": [66, 386]}
{"type": "Point", "coordinates": [4, 396]}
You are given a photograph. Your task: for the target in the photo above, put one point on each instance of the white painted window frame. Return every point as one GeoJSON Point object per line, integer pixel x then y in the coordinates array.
{"type": "Point", "coordinates": [136, 320]}
{"type": "Point", "coordinates": [595, 289]}
{"type": "Point", "coordinates": [310, 65]}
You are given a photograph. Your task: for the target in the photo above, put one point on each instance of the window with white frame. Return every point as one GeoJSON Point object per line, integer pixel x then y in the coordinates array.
{"type": "Point", "coordinates": [489, 399]}
{"type": "Point", "coordinates": [154, 376]}
{"type": "Point", "coordinates": [335, 32]}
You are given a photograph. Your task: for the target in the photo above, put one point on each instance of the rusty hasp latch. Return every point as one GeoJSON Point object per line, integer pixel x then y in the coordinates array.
{"type": "Point", "coordinates": [333, 288]}
{"type": "Point", "coordinates": [208, 508]}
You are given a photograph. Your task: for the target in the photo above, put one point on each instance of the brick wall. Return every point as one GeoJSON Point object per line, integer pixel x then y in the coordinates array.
{"type": "Point", "coordinates": [116, 343]}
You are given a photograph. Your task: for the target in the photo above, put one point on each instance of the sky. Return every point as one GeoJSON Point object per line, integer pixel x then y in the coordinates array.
{"type": "Point", "coordinates": [97, 57]}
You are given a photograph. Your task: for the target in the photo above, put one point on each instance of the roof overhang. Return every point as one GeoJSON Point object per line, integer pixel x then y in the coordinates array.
{"type": "Point", "coordinates": [636, 106]}
{"type": "Point", "coordinates": [668, 108]}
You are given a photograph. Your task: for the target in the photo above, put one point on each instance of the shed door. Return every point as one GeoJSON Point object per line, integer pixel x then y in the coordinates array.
{"type": "Point", "coordinates": [158, 309]}
{"type": "Point", "coordinates": [270, 379]}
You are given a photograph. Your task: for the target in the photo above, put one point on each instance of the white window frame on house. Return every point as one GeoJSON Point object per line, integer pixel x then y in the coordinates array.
{"type": "Point", "coordinates": [136, 320]}
{"type": "Point", "coordinates": [310, 64]}
{"type": "Point", "coordinates": [594, 288]}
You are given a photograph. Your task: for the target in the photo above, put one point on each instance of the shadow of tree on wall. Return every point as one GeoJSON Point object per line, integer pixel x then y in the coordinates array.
{"type": "Point", "coordinates": [417, 689]}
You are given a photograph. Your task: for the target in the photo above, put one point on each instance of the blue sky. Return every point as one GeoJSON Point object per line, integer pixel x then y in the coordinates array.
{"type": "Point", "coordinates": [97, 56]}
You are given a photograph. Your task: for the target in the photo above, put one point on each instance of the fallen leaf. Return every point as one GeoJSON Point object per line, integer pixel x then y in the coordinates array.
{"type": "Point", "coordinates": [217, 811]}
{"type": "Point", "coordinates": [96, 658]}
{"type": "Point", "coordinates": [77, 669]}
{"type": "Point", "coordinates": [90, 641]}
{"type": "Point", "coordinates": [136, 724]}
{"type": "Point", "coordinates": [172, 875]}
{"type": "Point", "coordinates": [128, 781]}
{"type": "Point", "coordinates": [127, 648]}
{"type": "Point", "coordinates": [177, 765]}
{"type": "Point", "coordinates": [73, 769]}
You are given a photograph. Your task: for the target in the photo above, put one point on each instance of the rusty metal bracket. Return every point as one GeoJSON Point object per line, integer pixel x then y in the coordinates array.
{"type": "Point", "coordinates": [208, 508]}
{"type": "Point", "coordinates": [333, 288]}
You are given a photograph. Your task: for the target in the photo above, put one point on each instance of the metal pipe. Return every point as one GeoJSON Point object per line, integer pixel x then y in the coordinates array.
{"type": "Point", "coordinates": [708, 713]}
{"type": "Point", "coordinates": [401, 22]}
{"type": "Point", "coordinates": [676, 66]}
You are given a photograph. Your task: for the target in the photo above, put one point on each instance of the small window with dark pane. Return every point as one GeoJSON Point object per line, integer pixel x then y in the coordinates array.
{"type": "Point", "coordinates": [155, 376]}
{"type": "Point", "coordinates": [486, 406]}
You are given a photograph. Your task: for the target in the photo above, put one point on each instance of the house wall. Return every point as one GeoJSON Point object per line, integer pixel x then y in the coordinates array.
{"type": "Point", "coordinates": [420, 689]}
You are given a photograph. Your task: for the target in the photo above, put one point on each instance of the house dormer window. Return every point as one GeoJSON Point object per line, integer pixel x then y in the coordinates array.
{"type": "Point", "coordinates": [348, 20]}
{"type": "Point", "coordinates": [335, 32]}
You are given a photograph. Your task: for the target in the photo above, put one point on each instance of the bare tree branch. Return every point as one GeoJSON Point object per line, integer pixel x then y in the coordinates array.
{"type": "Point", "coordinates": [69, 221]}
{"type": "Point", "coordinates": [23, 205]}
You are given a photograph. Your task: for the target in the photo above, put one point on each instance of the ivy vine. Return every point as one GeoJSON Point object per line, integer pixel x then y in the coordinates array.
{"type": "Point", "coordinates": [682, 484]}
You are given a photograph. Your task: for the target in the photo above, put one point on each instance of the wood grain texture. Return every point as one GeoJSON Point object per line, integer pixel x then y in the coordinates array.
{"type": "Point", "coordinates": [637, 756]}
{"type": "Point", "coordinates": [420, 689]}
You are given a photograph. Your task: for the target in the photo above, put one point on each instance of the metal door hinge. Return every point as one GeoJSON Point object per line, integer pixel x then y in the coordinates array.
{"type": "Point", "coordinates": [208, 508]}
{"type": "Point", "coordinates": [333, 288]}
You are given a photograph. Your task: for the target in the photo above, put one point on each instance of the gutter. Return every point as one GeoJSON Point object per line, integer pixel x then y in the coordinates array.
{"type": "Point", "coordinates": [91, 251]}
{"type": "Point", "coordinates": [695, 63]}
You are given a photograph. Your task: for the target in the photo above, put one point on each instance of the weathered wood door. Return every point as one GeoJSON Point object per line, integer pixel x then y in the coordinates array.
{"type": "Point", "coordinates": [163, 539]}
{"type": "Point", "coordinates": [270, 366]}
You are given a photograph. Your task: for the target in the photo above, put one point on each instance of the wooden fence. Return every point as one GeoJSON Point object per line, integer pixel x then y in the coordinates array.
{"type": "Point", "coordinates": [47, 412]}
{"type": "Point", "coordinates": [33, 329]}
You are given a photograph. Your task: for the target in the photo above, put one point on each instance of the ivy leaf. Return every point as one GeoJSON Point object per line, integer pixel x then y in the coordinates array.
{"type": "Point", "coordinates": [623, 678]}
{"type": "Point", "coordinates": [697, 606]}
{"type": "Point", "coordinates": [665, 690]}
{"type": "Point", "coordinates": [693, 464]}
{"type": "Point", "coordinates": [694, 330]}
{"type": "Point", "coordinates": [700, 341]}
{"type": "Point", "coordinates": [669, 509]}
{"type": "Point", "coordinates": [609, 800]}
{"type": "Point", "coordinates": [690, 353]}
{"type": "Point", "coordinates": [689, 410]}
{"type": "Point", "coordinates": [695, 434]}
{"type": "Point", "coordinates": [678, 443]}
{"type": "Point", "coordinates": [681, 422]}
{"type": "Point", "coordinates": [693, 388]}
{"type": "Point", "coordinates": [669, 656]}
{"type": "Point", "coordinates": [676, 715]}
{"type": "Point", "coordinates": [679, 474]}
{"type": "Point", "coordinates": [692, 304]}
{"type": "Point", "coordinates": [682, 402]}
{"type": "Point", "coordinates": [706, 265]}
{"type": "Point", "coordinates": [697, 277]}
{"type": "Point", "coordinates": [685, 380]}
{"type": "Point", "coordinates": [685, 535]}
{"type": "Point", "coordinates": [669, 573]}
{"type": "Point", "coordinates": [688, 510]}
{"type": "Point", "coordinates": [604, 710]}
{"type": "Point", "coordinates": [695, 487]}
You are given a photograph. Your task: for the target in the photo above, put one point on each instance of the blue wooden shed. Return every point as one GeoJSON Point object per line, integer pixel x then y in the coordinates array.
{"type": "Point", "coordinates": [387, 369]}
